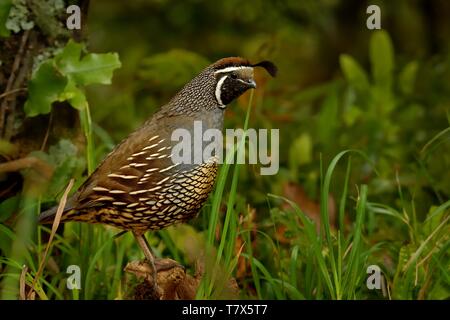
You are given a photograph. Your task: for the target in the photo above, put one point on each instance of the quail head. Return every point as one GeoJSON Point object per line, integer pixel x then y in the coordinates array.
{"type": "Point", "coordinates": [138, 187]}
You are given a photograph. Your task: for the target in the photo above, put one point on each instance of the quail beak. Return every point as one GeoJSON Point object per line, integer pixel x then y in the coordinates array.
{"type": "Point", "coordinates": [251, 83]}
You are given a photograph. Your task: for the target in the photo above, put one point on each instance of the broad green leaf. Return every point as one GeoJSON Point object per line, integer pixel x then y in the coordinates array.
{"type": "Point", "coordinates": [70, 55]}
{"type": "Point", "coordinates": [5, 7]}
{"type": "Point", "coordinates": [45, 87]}
{"type": "Point", "coordinates": [92, 68]}
{"type": "Point", "coordinates": [74, 95]}
{"type": "Point", "coordinates": [407, 77]}
{"type": "Point", "coordinates": [353, 72]}
{"type": "Point", "coordinates": [382, 58]}
{"type": "Point", "coordinates": [63, 78]}
{"type": "Point", "coordinates": [96, 68]}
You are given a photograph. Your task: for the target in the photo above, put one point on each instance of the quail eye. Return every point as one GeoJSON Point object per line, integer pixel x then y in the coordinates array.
{"type": "Point", "coordinates": [233, 76]}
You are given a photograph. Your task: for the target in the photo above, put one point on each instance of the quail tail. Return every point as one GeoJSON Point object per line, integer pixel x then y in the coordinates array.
{"type": "Point", "coordinates": [48, 216]}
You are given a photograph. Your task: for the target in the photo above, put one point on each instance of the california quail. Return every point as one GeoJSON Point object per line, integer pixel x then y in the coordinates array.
{"type": "Point", "coordinates": [138, 187]}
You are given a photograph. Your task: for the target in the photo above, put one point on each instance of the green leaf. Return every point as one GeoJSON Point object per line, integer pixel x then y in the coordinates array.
{"type": "Point", "coordinates": [407, 77]}
{"type": "Point", "coordinates": [63, 78]}
{"type": "Point", "coordinates": [92, 68]}
{"type": "Point", "coordinates": [97, 68]}
{"type": "Point", "coordinates": [69, 55]}
{"type": "Point", "coordinates": [5, 7]}
{"type": "Point", "coordinates": [75, 96]}
{"type": "Point", "coordinates": [45, 87]}
{"type": "Point", "coordinates": [353, 72]}
{"type": "Point", "coordinates": [382, 58]}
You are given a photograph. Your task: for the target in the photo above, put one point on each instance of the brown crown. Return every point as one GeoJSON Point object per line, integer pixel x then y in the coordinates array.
{"type": "Point", "coordinates": [231, 62]}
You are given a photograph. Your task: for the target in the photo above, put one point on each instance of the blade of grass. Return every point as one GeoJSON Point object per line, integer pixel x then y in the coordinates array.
{"type": "Point", "coordinates": [354, 259]}
{"type": "Point", "coordinates": [57, 219]}
{"type": "Point", "coordinates": [344, 197]}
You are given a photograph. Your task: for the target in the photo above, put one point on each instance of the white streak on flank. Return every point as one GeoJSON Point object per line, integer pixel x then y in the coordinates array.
{"type": "Point", "coordinates": [138, 192]}
{"type": "Point", "coordinates": [105, 199]}
{"type": "Point", "coordinates": [118, 203]}
{"type": "Point", "coordinates": [125, 166]}
{"type": "Point", "coordinates": [163, 180]}
{"type": "Point", "coordinates": [151, 169]}
{"type": "Point", "coordinates": [134, 204]}
{"type": "Point", "coordinates": [149, 147]}
{"type": "Point", "coordinates": [113, 175]}
{"type": "Point", "coordinates": [117, 191]}
{"type": "Point", "coordinates": [219, 90]}
{"type": "Point", "coordinates": [100, 189]}
{"type": "Point", "coordinates": [161, 149]}
{"type": "Point", "coordinates": [230, 69]}
{"type": "Point", "coordinates": [137, 165]}
{"type": "Point", "coordinates": [153, 155]}
{"type": "Point", "coordinates": [138, 154]}
{"type": "Point", "coordinates": [154, 189]}
{"type": "Point", "coordinates": [168, 168]}
{"type": "Point", "coordinates": [153, 138]}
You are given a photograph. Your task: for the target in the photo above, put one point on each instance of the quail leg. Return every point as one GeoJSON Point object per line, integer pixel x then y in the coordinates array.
{"type": "Point", "coordinates": [142, 241]}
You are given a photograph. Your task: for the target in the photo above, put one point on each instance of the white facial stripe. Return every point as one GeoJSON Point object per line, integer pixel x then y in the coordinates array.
{"type": "Point", "coordinates": [230, 69]}
{"type": "Point", "coordinates": [219, 90]}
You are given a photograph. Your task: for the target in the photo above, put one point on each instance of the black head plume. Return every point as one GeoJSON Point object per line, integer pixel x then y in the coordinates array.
{"type": "Point", "coordinates": [270, 67]}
